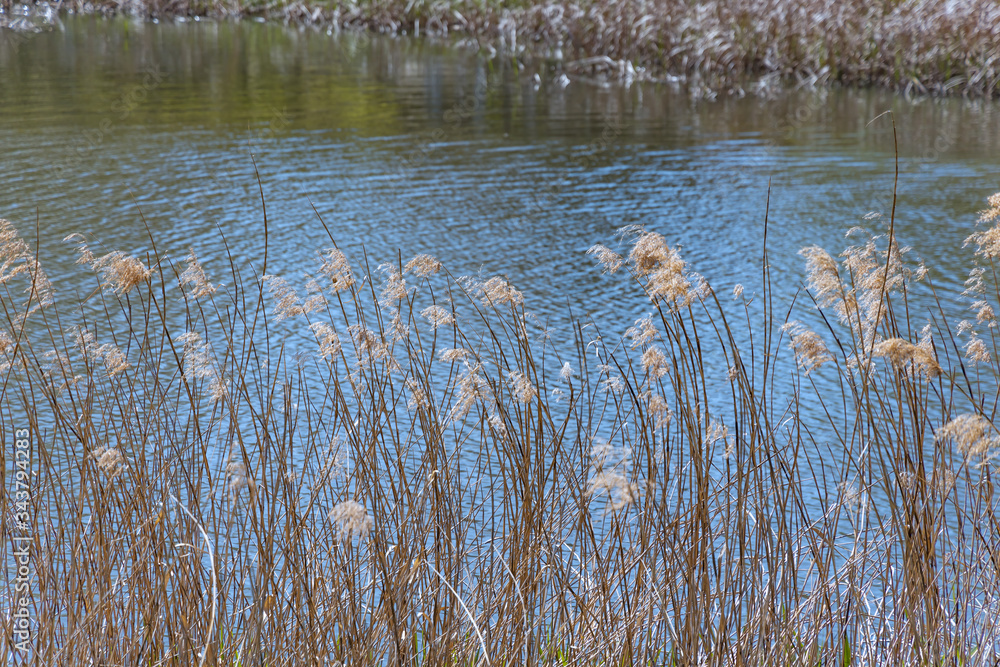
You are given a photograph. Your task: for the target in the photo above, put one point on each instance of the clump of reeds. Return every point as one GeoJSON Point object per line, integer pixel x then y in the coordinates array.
{"type": "Point", "coordinates": [432, 483]}
{"type": "Point", "coordinates": [921, 47]}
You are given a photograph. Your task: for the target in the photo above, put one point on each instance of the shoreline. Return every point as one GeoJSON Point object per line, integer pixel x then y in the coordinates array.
{"type": "Point", "coordinates": [724, 47]}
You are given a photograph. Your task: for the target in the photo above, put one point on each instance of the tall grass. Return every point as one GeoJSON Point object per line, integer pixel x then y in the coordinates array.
{"type": "Point", "coordinates": [436, 483]}
{"type": "Point", "coordinates": [723, 45]}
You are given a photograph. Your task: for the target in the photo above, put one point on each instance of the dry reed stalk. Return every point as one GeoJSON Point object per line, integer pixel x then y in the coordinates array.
{"type": "Point", "coordinates": [420, 495]}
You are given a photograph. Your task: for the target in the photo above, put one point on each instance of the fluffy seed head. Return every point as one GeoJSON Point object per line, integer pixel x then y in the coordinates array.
{"type": "Point", "coordinates": [453, 355]}
{"type": "Point", "coordinates": [643, 333]}
{"type": "Point", "coordinates": [497, 423]}
{"type": "Point", "coordinates": [716, 431]}
{"type": "Point", "coordinates": [438, 316]}
{"type": "Point", "coordinates": [974, 284]}
{"type": "Point", "coordinates": [418, 397]}
{"type": "Point", "coordinates": [622, 493]}
{"type": "Point", "coordinates": [993, 212]}
{"type": "Point", "coordinates": [329, 341]}
{"type": "Point", "coordinates": [472, 388]}
{"type": "Point", "coordinates": [422, 266]}
{"type": "Point", "coordinates": [613, 384]}
{"type": "Point", "coordinates": [16, 258]}
{"type": "Point", "coordinates": [288, 303]}
{"type": "Point", "coordinates": [86, 256]}
{"type": "Point", "coordinates": [6, 342]}
{"type": "Point", "coordinates": [610, 260]}
{"type": "Point", "coordinates": [109, 354]}
{"type": "Point", "coordinates": [984, 313]}
{"type": "Point", "coordinates": [351, 518]}
{"type": "Point", "coordinates": [655, 363]}
{"type": "Point", "coordinates": [369, 346]}
{"type": "Point", "coordinates": [650, 250]}
{"type": "Point", "coordinates": [217, 389]}
{"type": "Point", "coordinates": [336, 267]}
{"type": "Point", "coordinates": [988, 241]}
{"type": "Point", "coordinates": [976, 351]}
{"type": "Point", "coordinates": [239, 479]}
{"type": "Point", "coordinates": [972, 434]}
{"type": "Point", "coordinates": [663, 267]}
{"type": "Point", "coordinates": [197, 357]}
{"type": "Point", "coordinates": [810, 350]}
{"type": "Point", "coordinates": [395, 288]}
{"type": "Point", "coordinates": [123, 272]}
{"type": "Point", "coordinates": [194, 275]}
{"type": "Point", "coordinates": [823, 275]}
{"type": "Point", "coordinates": [901, 352]}
{"type": "Point", "coordinates": [498, 291]}
{"type": "Point", "coordinates": [14, 252]}
{"type": "Point", "coordinates": [524, 391]}
{"type": "Point", "coordinates": [109, 460]}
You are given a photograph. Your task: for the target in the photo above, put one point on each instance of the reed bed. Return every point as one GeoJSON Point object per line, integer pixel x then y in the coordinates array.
{"type": "Point", "coordinates": [721, 46]}
{"type": "Point", "coordinates": [391, 466]}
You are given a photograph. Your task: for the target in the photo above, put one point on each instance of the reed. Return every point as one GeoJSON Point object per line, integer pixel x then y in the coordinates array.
{"type": "Point", "coordinates": [722, 46]}
{"type": "Point", "coordinates": [434, 483]}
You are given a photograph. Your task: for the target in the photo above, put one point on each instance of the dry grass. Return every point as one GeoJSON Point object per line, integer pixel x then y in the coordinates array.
{"type": "Point", "coordinates": [434, 484]}
{"type": "Point", "coordinates": [723, 45]}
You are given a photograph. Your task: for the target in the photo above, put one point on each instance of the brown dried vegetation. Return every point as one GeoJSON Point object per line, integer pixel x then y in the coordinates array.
{"type": "Point", "coordinates": [451, 489]}
{"type": "Point", "coordinates": [915, 45]}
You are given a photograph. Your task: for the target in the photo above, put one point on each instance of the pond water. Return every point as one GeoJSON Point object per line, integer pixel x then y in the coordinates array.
{"type": "Point", "coordinates": [414, 146]}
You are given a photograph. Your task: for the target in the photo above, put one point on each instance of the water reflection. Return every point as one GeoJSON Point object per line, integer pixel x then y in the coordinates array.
{"type": "Point", "coordinates": [408, 146]}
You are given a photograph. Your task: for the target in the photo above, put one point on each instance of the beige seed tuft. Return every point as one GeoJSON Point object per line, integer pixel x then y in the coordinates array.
{"type": "Point", "coordinates": [810, 350]}
{"type": "Point", "coordinates": [655, 363]}
{"type": "Point", "coordinates": [643, 333]}
{"type": "Point", "coordinates": [976, 351]}
{"type": "Point", "coordinates": [351, 518]}
{"type": "Point", "coordinates": [497, 291]}
{"type": "Point", "coordinates": [123, 272]}
{"type": "Point", "coordinates": [109, 354]}
{"type": "Point", "coordinates": [901, 353]}
{"type": "Point", "coordinates": [988, 241]}
{"type": "Point", "coordinates": [972, 434]}
{"type": "Point", "coordinates": [86, 256]}
{"type": "Point", "coordinates": [288, 303]}
{"type": "Point", "coordinates": [422, 266]}
{"type": "Point", "coordinates": [453, 354]}
{"type": "Point", "coordinates": [337, 269]}
{"type": "Point", "coordinates": [194, 275]}
{"type": "Point", "coordinates": [610, 260]}
{"type": "Point", "coordinates": [329, 341]}
{"type": "Point", "coordinates": [524, 390]}
{"type": "Point", "coordinates": [438, 316]}
{"type": "Point", "coordinates": [621, 492]}
{"type": "Point", "coordinates": [395, 288]}
{"type": "Point", "coordinates": [110, 461]}
{"type": "Point", "coordinates": [418, 397]}
{"type": "Point", "coordinates": [649, 252]}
